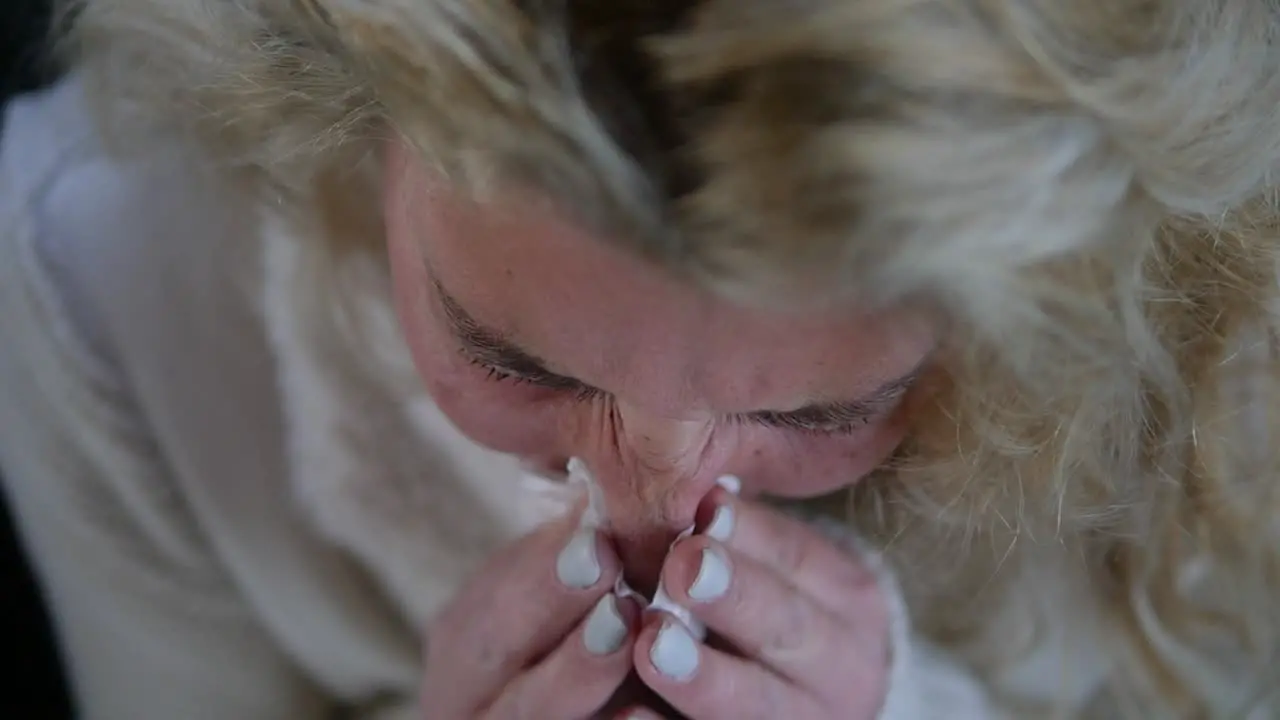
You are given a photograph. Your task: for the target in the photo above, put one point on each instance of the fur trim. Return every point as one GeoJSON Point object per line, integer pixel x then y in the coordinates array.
{"type": "Point", "coordinates": [382, 472]}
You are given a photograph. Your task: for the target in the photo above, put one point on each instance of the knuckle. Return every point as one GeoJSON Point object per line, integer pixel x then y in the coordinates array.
{"type": "Point", "coordinates": [487, 653]}
{"type": "Point", "coordinates": [454, 636]}
{"type": "Point", "coordinates": [851, 576]}
{"type": "Point", "coordinates": [736, 603]}
{"type": "Point", "coordinates": [792, 551]}
{"type": "Point", "coordinates": [869, 608]}
{"type": "Point", "coordinates": [761, 700]}
{"type": "Point", "coordinates": [790, 633]}
{"type": "Point", "coordinates": [723, 694]}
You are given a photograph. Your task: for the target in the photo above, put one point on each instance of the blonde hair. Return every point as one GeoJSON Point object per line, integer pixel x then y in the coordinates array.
{"type": "Point", "coordinates": [1080, 191]}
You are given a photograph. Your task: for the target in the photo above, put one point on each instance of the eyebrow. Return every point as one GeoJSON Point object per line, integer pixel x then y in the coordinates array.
{"type": "Point", "coordinates": [489, 348]}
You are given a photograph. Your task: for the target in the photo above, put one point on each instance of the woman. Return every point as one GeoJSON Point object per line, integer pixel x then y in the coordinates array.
{"type": "Point", "coordinates": [975, 299]}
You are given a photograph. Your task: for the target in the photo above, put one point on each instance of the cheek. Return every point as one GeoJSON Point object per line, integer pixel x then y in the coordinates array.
{"type": "Point", "coordinates": [499, 415]}
{"type": "Point", "coordinates": [504, 416]}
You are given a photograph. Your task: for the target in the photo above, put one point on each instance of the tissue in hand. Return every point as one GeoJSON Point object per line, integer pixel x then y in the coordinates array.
{"type": "Point", "coordinates": [595, 517]}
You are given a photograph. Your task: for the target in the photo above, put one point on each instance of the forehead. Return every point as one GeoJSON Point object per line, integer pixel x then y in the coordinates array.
{"type": "Point", "coordinates": [602, 316]}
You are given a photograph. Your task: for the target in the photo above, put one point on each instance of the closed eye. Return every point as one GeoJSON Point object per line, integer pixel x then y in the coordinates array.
{"type": "Point", "coordinates": [833, 419]}
{"type": "Point", "coordinates": [547, 381]}
{"type": "Point", "coordinates": [503, 361]}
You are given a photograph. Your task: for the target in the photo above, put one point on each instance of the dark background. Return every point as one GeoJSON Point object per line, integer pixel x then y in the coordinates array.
{"type": "Point", "coordinates": [31, 687]}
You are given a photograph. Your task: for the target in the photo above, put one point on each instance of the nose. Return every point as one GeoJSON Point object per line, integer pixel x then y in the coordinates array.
{"type": "Point", "coordinates": [652, 473]}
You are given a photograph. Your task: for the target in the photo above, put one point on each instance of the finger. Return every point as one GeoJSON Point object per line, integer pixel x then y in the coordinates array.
{"type": "Point", "coordinates": [708, 684]}
{"type": "Point", "coordinates": [635, 695]}
{"type": "Point", "coordinates": [768, 619]}
{"type": "Point", "coordinates": [577, 678]}
{"type": "Point", "coordinates": [519, 606]}
{"type": "Point", "coordinates": [819, 568]}
{"type": "Point", "coordinates": [638, 713]}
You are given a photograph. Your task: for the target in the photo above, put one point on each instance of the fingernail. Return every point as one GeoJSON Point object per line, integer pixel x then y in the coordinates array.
{"type": "Point", "coordinates": [721, 525]}
{"type": "Point", "coordinates": [713, 577]}
{"type": "Point", "coordinates": [674, 653]}
{"type": "Point", "coordinates": [663, 602]}
{"type": "Point", "coordinates": [731, 483]}
{"type": "Point", "coordinates": [577, 565]}
{"type": "Point", "coordinates": [606, 631]}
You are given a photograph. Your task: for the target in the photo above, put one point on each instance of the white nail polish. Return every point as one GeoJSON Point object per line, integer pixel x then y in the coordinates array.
{"type": "Point", "coordinates": [577, 565]}
{"type": "Point", "coordinates": [730, 483]}
{"type": "Point", "coordinates": [663, 602]}
{"type": "Point", "coordinates": [721, 525]}
{"type": "Point", "coordinates": [674, 653]}
{"type": "Point", "coordinates": [606, 631]}
{"type": "Point", "coordinates": [713, 578]}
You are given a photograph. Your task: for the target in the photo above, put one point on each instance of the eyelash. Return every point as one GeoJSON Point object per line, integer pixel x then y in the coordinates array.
{"type": "Point", "coordinates": [586, 393]}
{"type": "Point", "coordinates": [582, 393]}
{"type": "Point", "coordinates": [842, 427]}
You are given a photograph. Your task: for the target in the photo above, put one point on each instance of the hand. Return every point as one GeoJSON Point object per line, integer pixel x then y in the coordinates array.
{"type": "Point", "coordinates": [536, 634]}
{"type": "Point", "coordinates": [807, 622]}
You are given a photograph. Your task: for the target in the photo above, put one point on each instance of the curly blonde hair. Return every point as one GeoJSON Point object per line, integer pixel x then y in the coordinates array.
{"type": "Point", "coordinates": [1080, 191]}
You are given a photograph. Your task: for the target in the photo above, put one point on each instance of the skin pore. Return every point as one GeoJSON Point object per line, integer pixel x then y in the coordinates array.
{"type": "Point", "coordinates": [543, 342]}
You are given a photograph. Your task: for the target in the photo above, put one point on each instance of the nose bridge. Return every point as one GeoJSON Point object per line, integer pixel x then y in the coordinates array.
{"type": "Point", "coordinates": [650, 467]}
{"type": "Point", "coordinates": [661, 446]}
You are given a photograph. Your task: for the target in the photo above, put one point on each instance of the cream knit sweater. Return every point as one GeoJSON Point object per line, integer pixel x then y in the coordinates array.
{"type": "Point", "coordinates": [232, 517]}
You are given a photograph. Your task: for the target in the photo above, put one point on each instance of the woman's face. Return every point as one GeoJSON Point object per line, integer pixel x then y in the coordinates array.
{"type": "Point", "coordinates": [541, 341]}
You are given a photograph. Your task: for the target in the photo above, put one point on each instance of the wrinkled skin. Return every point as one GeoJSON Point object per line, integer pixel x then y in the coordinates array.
{"type": "Point", "coordinates": [662, 376]}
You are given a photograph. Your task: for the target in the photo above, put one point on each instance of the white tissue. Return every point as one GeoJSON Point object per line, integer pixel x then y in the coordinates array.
{"type": "Point", "coordinates": [594, 517]}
